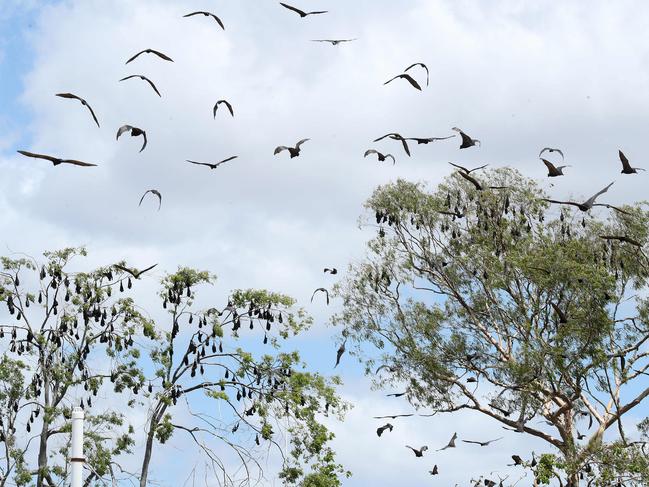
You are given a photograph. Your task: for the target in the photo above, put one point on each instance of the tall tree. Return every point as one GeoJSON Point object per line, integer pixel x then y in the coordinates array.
{"type": "Point", "coordinates": [201, 351]}
{"type": "Point", "coordinates": [59, 326]}
{"type": "Point", "coordinates": [491, 300]}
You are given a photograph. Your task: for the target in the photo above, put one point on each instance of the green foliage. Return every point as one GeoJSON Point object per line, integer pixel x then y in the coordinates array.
{"type": "Point", "coordinates": [77, 336]}
{"type": "Point", "coordinates": [263, 393]}
{"type": "Point", "coordinates": [545, 469]}
{"type": "Point", "coordinates": [619, 462]}
{"type": "Point", "coordinates": [164, 429]}
{"type": "Point", "coordinates": [67, 333]}
{"type": "Point", "coordinates": [98, 452]}
{"type": "Point", "coordinates": [309, 438]}
{"type": "Point", "coordinates": [499, 285]}
{"type": "Point", "coordinates": [643, 427]}
{"type": "Point", "coordinates": [12, 382]}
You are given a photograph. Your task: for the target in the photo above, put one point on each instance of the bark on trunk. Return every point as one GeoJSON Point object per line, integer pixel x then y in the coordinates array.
{"type": "Point", "coordinates": [144, 473]}
{"type": "Point", "coordinates": [573, 480]}
{"type": "Point", "coordinates": [42, 454]}
{"type": "Point", "coordinates": [45, 430]}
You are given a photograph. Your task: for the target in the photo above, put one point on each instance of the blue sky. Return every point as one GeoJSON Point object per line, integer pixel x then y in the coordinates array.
{"type": "Point", "coordinates": [517, 75]}
{"type": "Point", "coordinates": [14, 63]}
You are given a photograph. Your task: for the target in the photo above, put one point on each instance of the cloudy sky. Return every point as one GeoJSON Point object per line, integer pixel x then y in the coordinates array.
{"type": "Point", "coordinates": [519, 75]}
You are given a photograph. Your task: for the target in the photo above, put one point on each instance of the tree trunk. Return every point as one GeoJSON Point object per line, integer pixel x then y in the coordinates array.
{"type": "Point", "coordinates": [144, 473]}
{"type": "Point", "coordinates": [573, 480]}
{"type": "Point", "coordinates": [42, 453]}
{"type": "Point", "coordinates": [45, 430]}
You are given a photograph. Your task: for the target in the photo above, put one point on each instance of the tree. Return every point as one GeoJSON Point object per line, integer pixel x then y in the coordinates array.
{"type": "Point", "coordinates": [73, 336]}
{"type": "Point", "coordinates": [494, 301]}
{"type": "Point", "coordinates": [262, 394]}
{"type": "Point", "coordinates": [12, 383]}
{"type": "Point", "coordinates": [59, 325]}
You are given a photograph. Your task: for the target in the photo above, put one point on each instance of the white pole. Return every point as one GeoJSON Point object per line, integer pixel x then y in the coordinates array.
{"type": "Point", "coordinates": [76, 454]}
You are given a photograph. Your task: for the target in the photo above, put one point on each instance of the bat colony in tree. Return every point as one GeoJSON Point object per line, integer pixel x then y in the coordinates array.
{"type": "Point", "coordinates": [554, 170]}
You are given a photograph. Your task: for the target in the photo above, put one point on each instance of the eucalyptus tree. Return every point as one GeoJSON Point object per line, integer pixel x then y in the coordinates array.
{"type": "Point", "coordinates": [64, 335]}
{"type": "Point", "coordinates": [202, 364]}
{"type": "Point", "coordinates": [485, 298]}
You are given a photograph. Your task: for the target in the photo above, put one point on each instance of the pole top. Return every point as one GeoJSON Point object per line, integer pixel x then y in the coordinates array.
{"type": "Point", "coordinates": [77, 413]}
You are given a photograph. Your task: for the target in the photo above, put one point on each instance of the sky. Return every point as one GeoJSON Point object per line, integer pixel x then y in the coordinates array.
{"type": "Point", "coordinates": [518, 75]}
